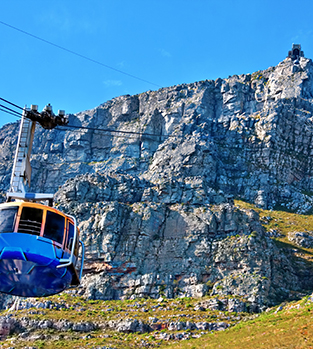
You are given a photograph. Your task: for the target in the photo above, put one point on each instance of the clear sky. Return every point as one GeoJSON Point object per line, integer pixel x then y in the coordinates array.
{"type": "Point", "coordinates": [165, 42]}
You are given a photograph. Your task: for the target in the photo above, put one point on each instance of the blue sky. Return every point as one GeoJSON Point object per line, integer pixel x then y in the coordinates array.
{"type": "Point", "coordinates": [165, 42]}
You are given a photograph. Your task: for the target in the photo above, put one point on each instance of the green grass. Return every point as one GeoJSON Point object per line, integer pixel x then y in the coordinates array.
{"type": "Point", "coordinates": [290, 328]}
{"type": "Point", "coordinates": [97, 311]}
{"type": "Point", "coordinates": [283, 222]}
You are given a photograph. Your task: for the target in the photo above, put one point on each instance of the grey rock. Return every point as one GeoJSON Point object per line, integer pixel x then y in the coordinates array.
{"type": "Point", "coordinates": [247, 135]}
{"type": "Point", "coordinates": [83, 327]}
{"type": "Point", "coordinates": [302, 239]}
{"type": "Point", "coordinates": [205, 326]}
{"type": "Point", "coordinates": [7, 326]}
{"type": "Point", "coordinates": [220, 326]}
{"type": "Point", "coordinates": [130, 326]}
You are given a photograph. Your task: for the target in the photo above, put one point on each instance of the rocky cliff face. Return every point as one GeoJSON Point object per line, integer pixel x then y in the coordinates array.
{"type": "Point", "coordinates": [248, 136]}
{"type": "Point", "coordinates": [155, 204]}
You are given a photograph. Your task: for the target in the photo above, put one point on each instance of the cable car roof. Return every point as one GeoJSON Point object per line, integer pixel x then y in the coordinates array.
{"type": "Point", "coordinates": [34, 205]}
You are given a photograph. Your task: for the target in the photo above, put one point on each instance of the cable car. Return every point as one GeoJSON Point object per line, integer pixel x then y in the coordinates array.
{"type": "Point", "coordinates": [40, 250]}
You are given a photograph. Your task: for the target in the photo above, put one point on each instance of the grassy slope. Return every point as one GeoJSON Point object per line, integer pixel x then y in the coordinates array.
{"type": "Point", "coordinates": [78, 310]}
{"type": "Point", "coordinates": [289, 328]}
{"type": "Point", "coordinates": [283, 222]}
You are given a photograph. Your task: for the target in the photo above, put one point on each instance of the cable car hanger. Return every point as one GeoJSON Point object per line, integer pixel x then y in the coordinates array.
{"type": "Point", "coordinates": [21, 172]}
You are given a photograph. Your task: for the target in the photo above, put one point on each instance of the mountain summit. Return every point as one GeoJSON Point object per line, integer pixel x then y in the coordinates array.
{"type": "Point", "coordinates": [152, 178]}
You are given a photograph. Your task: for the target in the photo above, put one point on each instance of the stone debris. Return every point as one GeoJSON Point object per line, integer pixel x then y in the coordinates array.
{"type": "Point", "coordinates": [302, 239]}
{"type": "Point", "coordinates": [273, 233]}
{"type": "Point", "coordinates": [25, 327]}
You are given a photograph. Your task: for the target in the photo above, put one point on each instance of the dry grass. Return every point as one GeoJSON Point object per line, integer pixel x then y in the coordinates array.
{"type": "Point", "coordinates": [291, 328]}
{"type": "Point", "coordinates": [80, 310]}
{"type": "Point", "coordinates": [284, 222]}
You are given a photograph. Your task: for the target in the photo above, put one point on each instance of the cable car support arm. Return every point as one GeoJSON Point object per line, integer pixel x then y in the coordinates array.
{"type": "Point", "coordinates": [21, 172]}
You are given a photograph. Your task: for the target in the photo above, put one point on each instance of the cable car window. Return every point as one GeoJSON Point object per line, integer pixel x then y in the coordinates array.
{"type": "Point", "coordinates": [70, 236]}
{"type": "Point", "coordinates": [30, 221]}
{"type": "Point", "coordinates": [54, 228]}
{"type": "Point", "coordinates": [7, 219]}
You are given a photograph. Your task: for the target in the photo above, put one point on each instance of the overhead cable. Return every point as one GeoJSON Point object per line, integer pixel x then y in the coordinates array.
{"type": "Point", "coordinates": [66, 127]}
{"type": "Point", "coordinates": [103, 135]}
{"type": "Point", "coordinates": [79, 54]}
{"type": "Point", "coordinates": [14, 105]}
{"type": "Point", "coordinates": [13, 112]}
{"type": "Point", "coordinates": [115, 131]}
{"type": "Point", "coordinates": [8, 112]}
{"type": "Point", "coordinates": [78, 129]}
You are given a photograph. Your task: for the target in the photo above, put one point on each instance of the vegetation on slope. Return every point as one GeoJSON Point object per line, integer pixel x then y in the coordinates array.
{"type": "Point", "coordinates": [287, 326]}
{"type": "Point", "coordinates": [69, 308]}
{"type": "Point", "coordinates": [291, 327]}
{"type": "Point", "coordinates": [279, 223]}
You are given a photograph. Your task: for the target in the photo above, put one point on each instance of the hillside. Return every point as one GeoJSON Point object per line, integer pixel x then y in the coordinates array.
{"type": "Point", "coordinates": [69, 321]}
{"type": "Point", "coordinates": [205, 192]}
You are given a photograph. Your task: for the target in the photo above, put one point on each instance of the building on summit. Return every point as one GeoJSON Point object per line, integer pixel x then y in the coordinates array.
{"type": "Point", "coordinates": [295, 52]}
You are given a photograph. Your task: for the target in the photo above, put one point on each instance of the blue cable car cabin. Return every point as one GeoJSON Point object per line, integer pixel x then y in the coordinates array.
{"type": "Point", "coordinates": [39, 250]}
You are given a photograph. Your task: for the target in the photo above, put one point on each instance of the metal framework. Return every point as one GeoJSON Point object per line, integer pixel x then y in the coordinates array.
{"type": "Point", "coordinates": [21, 172]}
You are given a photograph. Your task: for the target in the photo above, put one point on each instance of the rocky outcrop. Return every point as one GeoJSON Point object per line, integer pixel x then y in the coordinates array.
{"type": "Point", "coordinates": [42, 319]}
{"type": "Point", "coordinates": [152, 179]}
{"type": "Point", "coordinates": [167, 246]}
{"type": "Point", "coordinates": [24, 327]}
